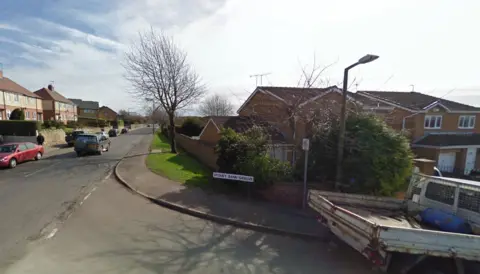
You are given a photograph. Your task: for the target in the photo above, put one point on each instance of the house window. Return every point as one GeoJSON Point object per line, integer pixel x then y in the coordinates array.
{"type": "Point", "coordinates": [15, 97]}
{"type": "Point", "coordinates": [34, 116]}
{"type": "Point", "coordinates": [433, 121]}
{"type": "Point", "coordinates": [27, 114]}
{"type": "Point", "coordinates": [466, 122]}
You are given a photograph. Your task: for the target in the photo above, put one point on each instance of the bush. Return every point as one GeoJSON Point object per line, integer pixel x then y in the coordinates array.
{"type": "Point", "coordinates": [53, 124]}
{"type": "Point", "coordinates": [121, 123]}
{"type": "Point", "coordinates": [19, 128]}
{"type": "Point", "coordinates": [17, 114]}
{"type": "Point", "coordinates": [192, 126]}
{"type": "Point", "coordinates": [73, 124]}
{"type": "Point", "coordinates": [246, 154]}
{"type": "Point", "coordinates": [377, 159]}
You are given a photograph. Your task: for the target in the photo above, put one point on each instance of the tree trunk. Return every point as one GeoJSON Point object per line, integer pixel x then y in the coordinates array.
{"type": "Point", "coordinates": [171, 120]}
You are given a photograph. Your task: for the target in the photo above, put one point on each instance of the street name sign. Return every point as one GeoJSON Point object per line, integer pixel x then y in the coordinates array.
{"type": "Point", "coordinates": [234, 177]}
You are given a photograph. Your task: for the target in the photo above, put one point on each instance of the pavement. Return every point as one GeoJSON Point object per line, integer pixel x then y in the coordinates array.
{"type": "Point", "coordinates": [36, 197]}
{"type": "Point", "coordinates": [115, 231]}
{"type": "Point", "coordinates": [257, 215]}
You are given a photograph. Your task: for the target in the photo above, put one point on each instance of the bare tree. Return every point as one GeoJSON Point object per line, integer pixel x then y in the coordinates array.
{"type": "Point", "coordinates": [158, 70]}
{"type": "Point", "coordinates": [216, 105]}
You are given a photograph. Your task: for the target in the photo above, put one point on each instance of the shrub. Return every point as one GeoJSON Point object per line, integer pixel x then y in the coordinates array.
{"type": "Point", "coordinates": [192, 126]}
{"type": "Point", "coordinates": [377, 159]}
{"type": "Point", "coordinates": [53, 124]}
{"type": "Point", "coordinates": [19, 127]}
{"type": "Point", "coordinates": [247, 154]}
{"type": "Point", "coordinates": [17, 114]}
{"type": "Point", "coordinates": [73, 124]}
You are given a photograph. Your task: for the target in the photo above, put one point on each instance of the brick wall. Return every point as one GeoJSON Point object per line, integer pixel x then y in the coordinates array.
{"type": "Point", "coordinates": [203, 152]}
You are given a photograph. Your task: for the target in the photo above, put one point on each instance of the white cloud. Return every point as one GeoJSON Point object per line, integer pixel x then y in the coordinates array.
{"type": "Point", "coordinates": [428, 44]}
{"type": "Point", "coordinates": [10, 27]}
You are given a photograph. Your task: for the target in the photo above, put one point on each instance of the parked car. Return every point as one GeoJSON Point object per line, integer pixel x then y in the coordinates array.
{"type": "Point", "coordinates": [113, 132]}
{"type": "Point", "coordinates": [91, 144]}
{"type": "Point", "coordinates": [124, 130]}
{"type": "Point", "coordinates": [70, 138]}
{"type": "Point", "coordinates": [13, 153]}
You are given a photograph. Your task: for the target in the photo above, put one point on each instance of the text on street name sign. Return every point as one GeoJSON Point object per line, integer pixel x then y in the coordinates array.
{"type": "Point", "coordinates": [235, 177]}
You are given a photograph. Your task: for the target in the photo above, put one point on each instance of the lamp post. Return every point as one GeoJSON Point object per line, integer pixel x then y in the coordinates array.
{"type": "Point", "coordinates": [341, 134]}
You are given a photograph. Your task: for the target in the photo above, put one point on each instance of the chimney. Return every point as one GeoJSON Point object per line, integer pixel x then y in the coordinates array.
{"type": "Point", "coordinates": [50, 87]}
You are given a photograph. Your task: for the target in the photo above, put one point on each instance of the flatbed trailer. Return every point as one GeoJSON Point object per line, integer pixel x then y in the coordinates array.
{"type": "Point", "coordinates": [383, 231]}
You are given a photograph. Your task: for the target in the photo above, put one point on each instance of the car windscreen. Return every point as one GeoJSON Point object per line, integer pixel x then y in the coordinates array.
{"type": "Point", "coordinates": [7, 148]}
{"type": "Point", "coordinates": [86, 138]}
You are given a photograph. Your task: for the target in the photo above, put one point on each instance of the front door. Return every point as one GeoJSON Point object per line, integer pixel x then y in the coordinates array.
{"type": "Point", "coordinates": [470, 160]}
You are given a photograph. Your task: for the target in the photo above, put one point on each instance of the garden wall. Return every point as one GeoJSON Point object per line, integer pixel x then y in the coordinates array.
{"type": "Point", "coordinates": [205, 153]}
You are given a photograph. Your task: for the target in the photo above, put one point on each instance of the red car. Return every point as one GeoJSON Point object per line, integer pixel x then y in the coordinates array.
{"type": "Point", "coordinates": [13, 153]}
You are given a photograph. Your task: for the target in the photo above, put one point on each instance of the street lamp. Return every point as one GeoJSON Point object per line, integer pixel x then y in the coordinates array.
{"type": "Point", "coordinates": [341, 134]}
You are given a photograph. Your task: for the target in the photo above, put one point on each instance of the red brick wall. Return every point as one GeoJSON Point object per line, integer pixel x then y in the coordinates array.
{"type": "Point", "coordinates": [203, 152]}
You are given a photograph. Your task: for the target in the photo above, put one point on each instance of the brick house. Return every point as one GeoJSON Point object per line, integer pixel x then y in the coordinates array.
{"type": "Point", "coordinates": [291, 109]}
{"type": "Point", "coordinates": [87, 111]}
{"type": "Point", "coordinates": [55, 106]}
{"type": "Point", "coordinates": [278, 148]}
{"type": "Point", "coordinates": [107, 114]}
{"type": "Point", "coordinates": [13, 96]}
{"type": "Point", "coordinates": [439, 129]}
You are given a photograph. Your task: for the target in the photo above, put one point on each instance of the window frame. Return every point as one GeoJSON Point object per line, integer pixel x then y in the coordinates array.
{"type": "Point", "coordinates": [429, 118]}
{"type": "Point", "coordinates": [16, 98]}
{"type": "Point", "coordinates": [463, 118]}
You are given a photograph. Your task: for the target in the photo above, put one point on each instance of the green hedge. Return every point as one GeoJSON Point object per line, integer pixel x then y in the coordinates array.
{"type": "Point", "coordinates": [19, 128]}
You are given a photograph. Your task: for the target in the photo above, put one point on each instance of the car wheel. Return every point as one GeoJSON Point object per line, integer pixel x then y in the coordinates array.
{"type": "Point", "coordinates": [108, 148]}
{"type": "Point", "coordinates": [79, 154]}
{"type": "Point", "coordinates": [38, 156]}
{"type": "Point", "coordinates": [101, 151]}
{"type": "Point", "coordinates": [12, 163]}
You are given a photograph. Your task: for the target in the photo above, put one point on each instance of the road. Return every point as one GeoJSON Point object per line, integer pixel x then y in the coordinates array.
{"type": "Point", "coordinates": [36, 197]}
{"type": "Point", "coordinates": [115, 231]}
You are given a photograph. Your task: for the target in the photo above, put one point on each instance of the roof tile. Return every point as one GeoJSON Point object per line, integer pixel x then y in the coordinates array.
{"type": "Point", "coordinates": [416, 100]}
{"type": "Point", "coordinates": [7, 84]}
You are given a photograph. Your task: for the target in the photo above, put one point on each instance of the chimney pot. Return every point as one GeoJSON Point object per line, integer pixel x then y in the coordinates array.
{"type": "Point", "coordinates": [50, 87]}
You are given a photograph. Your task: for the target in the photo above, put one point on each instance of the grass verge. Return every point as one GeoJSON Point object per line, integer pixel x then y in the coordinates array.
{"type": "Point", "coordinates": [160, 142]}
{"type": "Point", "coordinates": [180, 167]}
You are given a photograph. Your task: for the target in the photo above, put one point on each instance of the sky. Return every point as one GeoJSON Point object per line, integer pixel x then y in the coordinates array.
{"type": "Point", "coordinates": [426, 46]}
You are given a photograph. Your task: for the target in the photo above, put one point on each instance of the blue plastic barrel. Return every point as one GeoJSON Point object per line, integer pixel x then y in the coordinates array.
{"type": "Point", "coordinates": [445, 221]}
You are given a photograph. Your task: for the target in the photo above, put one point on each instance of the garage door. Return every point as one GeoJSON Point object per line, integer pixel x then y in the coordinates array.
{"type": "Point", "coordinates": [446, 161]}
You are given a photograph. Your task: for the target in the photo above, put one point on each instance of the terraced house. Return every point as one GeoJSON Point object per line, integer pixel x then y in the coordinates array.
{"type": "Point", "coordinates": [56, 106]}
{"type": "Point", "coordinates": [13, 96]}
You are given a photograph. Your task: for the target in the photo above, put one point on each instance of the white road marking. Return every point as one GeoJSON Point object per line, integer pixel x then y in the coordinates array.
{"type": "Point", "coordinates": [88, 195]}
{"type": "Point", "coordinates": [52, 233]}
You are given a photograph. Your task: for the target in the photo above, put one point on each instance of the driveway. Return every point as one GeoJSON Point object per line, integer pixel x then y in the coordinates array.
{"type": "Point", "coordinates": [36, 197]}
